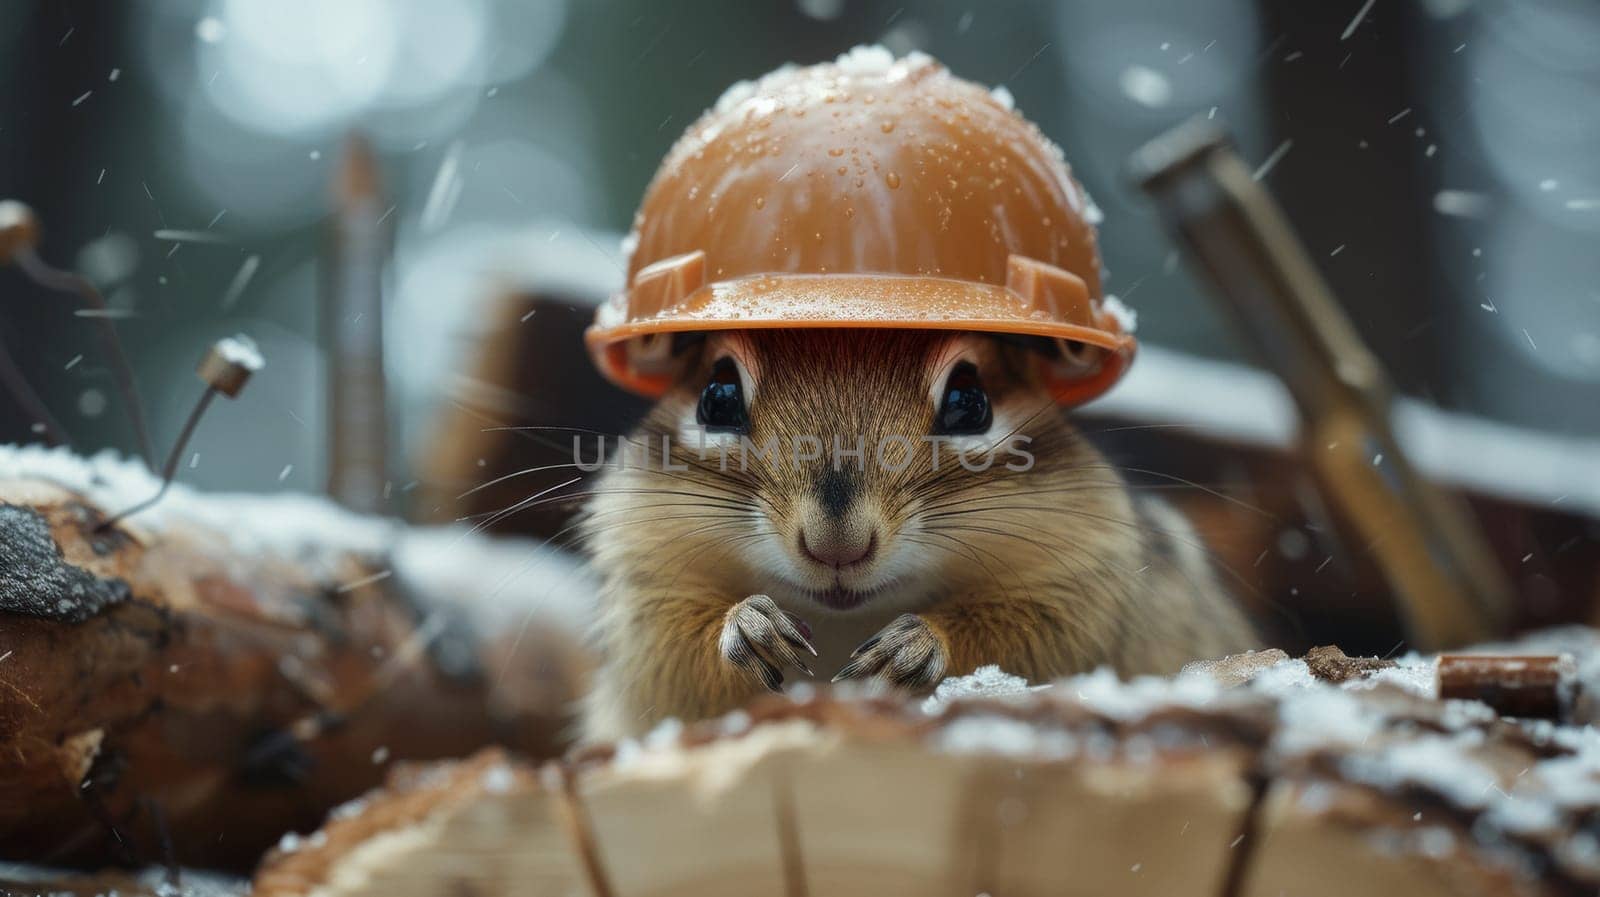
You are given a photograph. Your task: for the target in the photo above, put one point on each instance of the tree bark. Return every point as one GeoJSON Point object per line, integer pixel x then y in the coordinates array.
{"type": "Point", "coordinates": [170, 694]}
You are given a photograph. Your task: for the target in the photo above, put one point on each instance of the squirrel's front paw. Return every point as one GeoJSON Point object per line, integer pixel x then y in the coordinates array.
{"type": "Point", "coordinates": [758, 637]}
{"type": "Point", "coordinates": [907, 653]}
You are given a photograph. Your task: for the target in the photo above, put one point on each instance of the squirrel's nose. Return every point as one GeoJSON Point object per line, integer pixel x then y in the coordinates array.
{"type": "Point", "coordinates": [838, 547]}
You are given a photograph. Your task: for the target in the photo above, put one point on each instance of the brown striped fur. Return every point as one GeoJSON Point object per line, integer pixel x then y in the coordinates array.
{"type": "Point", "coordinates": [1045, 572]}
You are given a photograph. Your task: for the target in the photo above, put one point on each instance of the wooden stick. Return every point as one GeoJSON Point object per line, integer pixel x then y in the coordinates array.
{"type": "Point", "coordinates": [1540, 686]}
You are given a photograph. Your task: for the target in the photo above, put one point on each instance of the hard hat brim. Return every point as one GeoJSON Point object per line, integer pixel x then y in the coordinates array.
{"type": "Point", "coordinates": [897, 302]}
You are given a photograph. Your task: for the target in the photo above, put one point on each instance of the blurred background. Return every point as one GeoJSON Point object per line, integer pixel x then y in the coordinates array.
{"type": "Point", "coordinates": [1439, 159]}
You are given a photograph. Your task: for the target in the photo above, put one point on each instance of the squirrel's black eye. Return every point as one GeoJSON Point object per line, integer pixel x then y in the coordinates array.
{"type": "Point", "coordinates": [721, 407]}
{"type": "Point", "coordinates": [965, 408]}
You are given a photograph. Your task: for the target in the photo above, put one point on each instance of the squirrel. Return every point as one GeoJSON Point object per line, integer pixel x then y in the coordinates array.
{"type": "Point", "coordinates": [897, 505]}
{"type": "Point", "coordinates": [862, 292]}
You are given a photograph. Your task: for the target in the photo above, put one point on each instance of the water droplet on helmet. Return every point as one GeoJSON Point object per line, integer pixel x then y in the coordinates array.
{"type": "Point", "coordinates": [893, 180]}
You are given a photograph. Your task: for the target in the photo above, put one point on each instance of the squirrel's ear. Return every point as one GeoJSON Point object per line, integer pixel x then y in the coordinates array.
{"type": "Point", "coordinates": [1082, 371]}
{"type": "Point", "coordinates": [1075, 359]}
{"type": "Point", "coordinates": [1074, 363]}
{"type": "Point", "coordinates": [652, 355]}
{"type": "Point", "coordinates": [674, 356]}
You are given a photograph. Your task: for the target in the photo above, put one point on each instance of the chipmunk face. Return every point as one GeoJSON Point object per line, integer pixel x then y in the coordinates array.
{"type": "Point", "coordinates": [866, 465]}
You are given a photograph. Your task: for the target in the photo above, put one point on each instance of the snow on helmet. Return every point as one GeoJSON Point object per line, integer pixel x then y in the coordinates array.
{"type": "Point", "coordinates": [869, 192]}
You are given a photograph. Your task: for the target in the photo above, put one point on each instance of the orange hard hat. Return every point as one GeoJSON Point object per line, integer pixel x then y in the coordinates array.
{"type": "Point", "coordinates": [869, 192]}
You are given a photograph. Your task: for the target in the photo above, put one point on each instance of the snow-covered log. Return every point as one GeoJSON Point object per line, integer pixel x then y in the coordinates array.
{"type": "Point", "coordinates": [1255, 776]}
{"type": "Point", "coordinates": [189, 684]}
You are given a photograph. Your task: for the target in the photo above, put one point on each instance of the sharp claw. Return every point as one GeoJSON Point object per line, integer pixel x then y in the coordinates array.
{"type": "Point", "coordinates": [801, 625]}
{"type": "Point", "coordinates": [853, 669]}
{"type": "Point", "coordinates": [763, 637]}
{"type": "Point", "coordinates": [788, 655]}
{"type": "Point", "coordinates": [770, 677]}
{"type": "Point", "coordinates": [911, 657]}
{"type": "Point", "coordinates": [802, 642]}
{"type": "Point", "coordinates": [866, 646]}
{"type": "Point", "coordinates": [792, 634]}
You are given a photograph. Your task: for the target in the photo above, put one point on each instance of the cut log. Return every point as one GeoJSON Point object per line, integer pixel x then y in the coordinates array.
{"type": "Point", "coordinates": [820, 798]}
{"type": "Point", "coordinates": [195, 681]}
{"type": "Point", "coordinates": [17, 880]}
{"type": "Point", "coordinates": [1285, 783]}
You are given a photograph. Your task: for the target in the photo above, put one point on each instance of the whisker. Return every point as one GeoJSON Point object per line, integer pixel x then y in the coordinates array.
{"type": "Point", "coordinates": [527, 502]}
{"type": "Point", "coordinates": [715, 499]}
{"type": "Point", "coordinates": [510, 476]}
{"type": "Point", "coordinates": [1193, 485]}
{"type": "Point", "coordinates": [1146, 427]}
